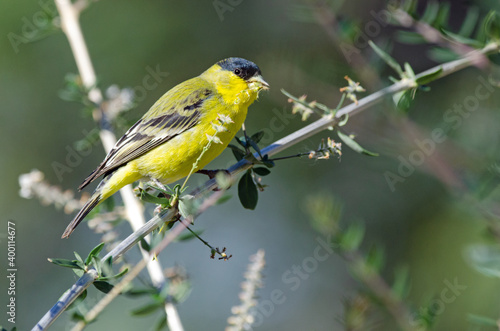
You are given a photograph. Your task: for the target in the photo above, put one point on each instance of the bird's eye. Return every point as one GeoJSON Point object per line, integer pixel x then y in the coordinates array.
{"type": "Point", "coordinates": [237, 71]}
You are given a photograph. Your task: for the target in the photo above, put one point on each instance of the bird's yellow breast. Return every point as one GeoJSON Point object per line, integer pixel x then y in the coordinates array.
{"type": "Point", "coordinates": [174, 160]}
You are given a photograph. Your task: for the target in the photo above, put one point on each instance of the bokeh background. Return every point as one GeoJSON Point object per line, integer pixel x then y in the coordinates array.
{"type": "Point", "coordinates": [425, 223]}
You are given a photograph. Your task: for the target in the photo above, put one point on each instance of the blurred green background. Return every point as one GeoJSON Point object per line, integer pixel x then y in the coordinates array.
{"type": "Point", "coordinates": [426, 223]}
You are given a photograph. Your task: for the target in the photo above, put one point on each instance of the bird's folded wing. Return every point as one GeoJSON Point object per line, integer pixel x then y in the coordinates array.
{"type": "Point", "coordinates": [177, 111]}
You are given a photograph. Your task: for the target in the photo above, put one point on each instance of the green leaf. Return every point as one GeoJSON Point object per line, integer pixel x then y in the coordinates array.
{"type": "Point", "coordinates": [491, 25]}
{"type": "Point", "coordinates": [261, 171]}
{"type": "Point", "coordinates": [242, 141]}
{"type": "Point", "coordinates": [77, 317]}
{"type": "Point", "coordinates": [108, 264]}
{"type": "Point", "coordinates": [247, 191]}
{"type": "Point", "coordinates": [442, 16]}
{"type": "Point", "coordinates": [429, 77]}
{"type": "Point", "coordinates": [343, 120]}
{"type": "Point", "coordinates": [82, 296]}
{"type": "Point", "coordinates": [118, 275]}
{"type": "Point", "coordinates": [462, 39]}
{"type": "Point", "coordinates": [164, 293]}
{"type": "Point", "coordinates": [224, 198]}
{"type": "Point", "coordinates": [409, 6]}
{"type": "Point", "coordinates": [146, 197]}
{"type": "Point", "coordinates": [255, 147]}
{"type": "Point", "coordinates": [401, 286]}
{"type": "Point", "coordinates": [187, 207]}
{"type": "Point", "coordinates": [325, 109]}
{"type": "Point", "coordinates": [161, 323]}
{"type": "Point", "coordinates": [430, 13]}
{"type": "Point", "coordinates": [94, 252]}
{"type": "Point", "coordinates": [470, 21]}
{"type": "Point", "coordinates": [354, 145]}
{"type": "Point", "coordinates": [442, 54]}
{"type": "Point", "coordinates": [78, 257]}
{"type": "Point", "coordinates": [481, 320]}
{"type": "Point", "coordinates": [387, 58]}
{"type": "Point", "coordinates": [375, 258]}
{"type": "Point", "coordinates": [96, 262]}
{"type": "Point", "coordinates": [135, 292]}
{"type": "Point", "coordinates": [403, 99]}
{"type": "Point", "coordinates": [238, 153]}
{"type": "Point", "coordinates": [103, 286]}
{"type": "Point", "coordinates": [488, 182]}
{"type": "Point", "coordinates": [409, 70]}
{"type": "Point", "coordinates": [147, 309]}
{"type": "Point", "coordinates": [79, 272]}
{"type": "Point", "coordinates": [352, 237]}
{"type": "Point", "coordinates": [409, 37]}
{"type": "Point", "coordinates": [144, 245]}
{"type": "Point", "coordinates": [121, 273]}
{"type": "Point", "coordinates": [394, 80]}
{"type": "Point", "coordinates": [66, 263]}
{"type": "Point", "coordinates": [257, 136]}
{"type": "Point", "coordinates": [289, 95]}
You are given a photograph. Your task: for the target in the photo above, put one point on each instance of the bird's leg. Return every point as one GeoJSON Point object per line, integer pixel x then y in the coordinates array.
{"type": "Point", "coordinates": [158, 183]}
{"type": "Point", "coordinates": [162, 188]}
{"type": "Point", "coordinates": [247, 148]}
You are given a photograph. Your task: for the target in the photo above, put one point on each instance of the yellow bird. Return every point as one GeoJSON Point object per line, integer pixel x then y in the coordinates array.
{"type": "Point", "coordinates": [166, 142]}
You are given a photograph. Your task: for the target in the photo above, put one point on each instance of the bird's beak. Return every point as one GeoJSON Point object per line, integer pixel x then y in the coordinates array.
{"type": "Point", "coordinates": [258, 82]}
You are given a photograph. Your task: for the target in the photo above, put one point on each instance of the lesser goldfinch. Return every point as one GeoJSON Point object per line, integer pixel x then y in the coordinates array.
{"type": "Point", "coordinates": [166, 142]}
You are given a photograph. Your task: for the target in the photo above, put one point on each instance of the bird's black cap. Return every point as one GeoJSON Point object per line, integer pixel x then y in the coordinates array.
{"type": "Point", "coordinates": [241, 67]}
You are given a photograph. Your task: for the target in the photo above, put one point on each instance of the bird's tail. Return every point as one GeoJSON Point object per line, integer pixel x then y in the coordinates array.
{"type": "Point", "coordinates": [93, 201]}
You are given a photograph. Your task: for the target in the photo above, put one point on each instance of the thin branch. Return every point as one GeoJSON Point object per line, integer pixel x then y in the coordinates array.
{"type": "Point", "coordinates": [434, 36]}
{"type": "Point", "coordinates": [280, 145]}
{"type": "Point", "coordinates": [381, 289]}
